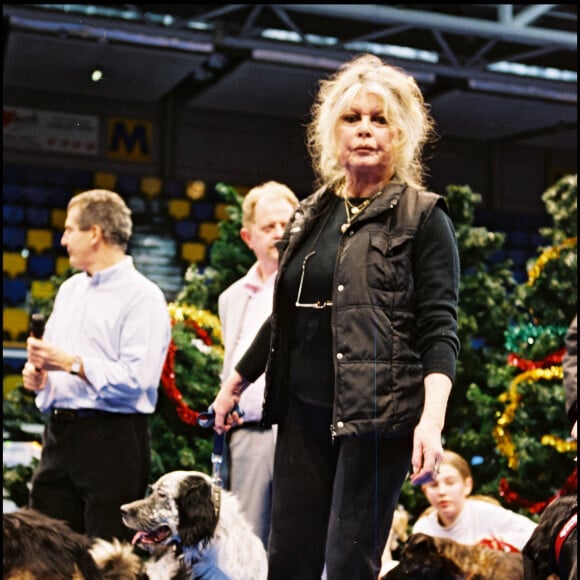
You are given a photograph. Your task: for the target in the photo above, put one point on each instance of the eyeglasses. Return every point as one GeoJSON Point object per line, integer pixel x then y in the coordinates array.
{"type": "Point", "coordinates": [317, 305]}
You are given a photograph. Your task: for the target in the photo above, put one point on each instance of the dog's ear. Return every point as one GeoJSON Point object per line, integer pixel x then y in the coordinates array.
{"type": "Point", "coordinates": [422, 542]}
{"type": "Point", "coordinates": [197, 515]}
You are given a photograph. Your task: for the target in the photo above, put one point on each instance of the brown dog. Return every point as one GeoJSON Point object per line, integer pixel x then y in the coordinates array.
{"type": "Point", "coordinates": [428, 558]}
{"type": "Point", "coordinates": [553, 547]}
{"type": "Point", "coordinates": [38, 547]}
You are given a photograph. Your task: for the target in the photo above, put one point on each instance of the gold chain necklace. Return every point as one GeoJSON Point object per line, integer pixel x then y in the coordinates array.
{"type": "Point", "coordinates": [353, 211]}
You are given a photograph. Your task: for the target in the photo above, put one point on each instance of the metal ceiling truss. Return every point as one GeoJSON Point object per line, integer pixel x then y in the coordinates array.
{"type": "Point", "coordinates": [463, 41]}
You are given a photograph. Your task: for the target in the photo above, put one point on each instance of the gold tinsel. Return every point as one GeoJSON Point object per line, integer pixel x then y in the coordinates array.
{"type": "Point", "coordinates": [501, 434]}
{"type": "Point", "coordinates": [549, 254]}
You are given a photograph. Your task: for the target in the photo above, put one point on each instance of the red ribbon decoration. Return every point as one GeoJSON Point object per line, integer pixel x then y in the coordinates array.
{"type": "Point", "coordinates": [510, 496]}
{"type": "Point", "coordinates": [529, 365]}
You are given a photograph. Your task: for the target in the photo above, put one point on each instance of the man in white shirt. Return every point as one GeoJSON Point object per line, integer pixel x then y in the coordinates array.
{"type": "Point", "coordinates": [242, 308]}
{"type": "Point", "coordinates": [96, 372]}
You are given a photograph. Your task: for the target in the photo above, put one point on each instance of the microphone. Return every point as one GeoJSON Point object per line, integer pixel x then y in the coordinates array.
{"type": "Point", "coordinates": [37, 324]}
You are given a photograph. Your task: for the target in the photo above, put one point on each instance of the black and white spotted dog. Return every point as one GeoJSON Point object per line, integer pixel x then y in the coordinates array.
{"type": "Point", "coordinates": [193, 529]}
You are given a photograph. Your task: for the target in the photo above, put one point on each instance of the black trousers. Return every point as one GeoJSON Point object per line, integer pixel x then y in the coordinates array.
{"type": "Point", "coordinates": [89, 466]}
{"type": "Point", "coordinates": [332, 503]}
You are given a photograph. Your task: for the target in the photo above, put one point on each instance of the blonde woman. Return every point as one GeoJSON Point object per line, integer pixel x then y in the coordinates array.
{"type": "Point", "coordinates": [361, 346]}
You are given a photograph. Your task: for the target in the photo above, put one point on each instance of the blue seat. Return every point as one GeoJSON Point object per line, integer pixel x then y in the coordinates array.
{"type": "Point", "coordinates": [173, 188]}
{"type": "Point", "coordinates": [35, 194]}
{"type": "Point", "coordinates": [128, 185]}
{"type": "Point", "coordinates": [186, 230]}
{"type": "Point", "coordinates": [37, 217]}
{"type": "Point", "coordinates": [41, 266]}
{"type": "Point", "coordinates": [12, 193]}
{"type": "Point", "coordinates": [12, 215]}
{"type": "Point", "coordinates": [15, 291]}
{"type": "Point", "coordinates": [13, 238]}
{"type": "Point", "coordinates": [203, 211]}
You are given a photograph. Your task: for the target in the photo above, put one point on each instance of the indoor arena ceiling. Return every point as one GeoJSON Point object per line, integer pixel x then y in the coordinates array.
{"type": "Point", "coordinates": [266, 59]}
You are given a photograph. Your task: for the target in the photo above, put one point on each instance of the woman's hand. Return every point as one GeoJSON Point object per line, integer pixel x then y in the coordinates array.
{"type": "Point", "coordinates": [427, 446]}
{"type": "Point", "coordinates": [226, 401]}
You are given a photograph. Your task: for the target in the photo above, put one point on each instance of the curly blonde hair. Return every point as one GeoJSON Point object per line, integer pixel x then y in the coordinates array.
{"type": "Point", "coordinates": [404, 108]}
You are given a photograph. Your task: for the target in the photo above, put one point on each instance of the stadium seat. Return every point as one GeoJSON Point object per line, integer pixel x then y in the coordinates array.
{"type": "Point", "coordinates": [128, 185]}
{"type": "Point", "coordinates": [13, 264]}
{"type": "Point", "coordinates": [195, 189]}
{"type": "Point", "coordinates": [15, 324]}
{"type": "Point", "coordinates": [41, 266]}
{"type": "Point", "coordinates": [150, 186]}
{"type": "Point", "coordinates": [186, 230]}
{"type": "Point", "coordinates": [11, 382]}
{"type": "Point", "coordinates": [13, 238]}
{"type": "Point", "coordinates": [193, 252]}
{"type": "Point", "coordinates": [57, 218]}
{"type": "Point", "coordinates": [11, 192]}
{"type": "Point", "coordinates": [36, 195]}
{"type": "Point", "coordinates": [173, 188]}
{"type": "Point", "coordinates": [203, 211]}
{"type": "Point", "coordinates": [62, 264]}
{"type": "Point", "coordinates": [179, 208]}
{"type": "Point", "coordinates": [42, 289]}
{"type": "Point", "coordinates": [209, 231]}
{"type": "Point", "coordinates": [15, 291]}
{"type": "Point", "coordinates": [12, 215]}
{"type": "Point", "coordinates": [221, 212]}
{"type": "Point", "coordinates": [104, 180]}
{"type": "Point", "coordinates": [39, 240]}
{"type": "Point", "coordinates": [37, 217]}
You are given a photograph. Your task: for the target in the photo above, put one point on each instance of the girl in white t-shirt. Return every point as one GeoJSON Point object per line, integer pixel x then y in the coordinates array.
{"type": "Point", "coordinates": [470, 520]}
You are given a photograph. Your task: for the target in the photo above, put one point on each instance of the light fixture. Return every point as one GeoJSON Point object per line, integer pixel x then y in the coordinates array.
{"type": "Point", "coordinates": [97, 74]}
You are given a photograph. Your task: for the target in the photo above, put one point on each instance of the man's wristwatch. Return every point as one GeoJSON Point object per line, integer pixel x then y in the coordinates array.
{"type": "Point", "coordinates": [75, 367]}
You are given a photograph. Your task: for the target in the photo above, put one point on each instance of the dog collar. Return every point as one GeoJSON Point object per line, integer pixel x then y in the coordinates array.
{"type": "Point", "coordinates": [563, 534]}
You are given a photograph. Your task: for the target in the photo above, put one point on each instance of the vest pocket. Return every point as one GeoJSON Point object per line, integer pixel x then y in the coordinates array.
{"type": "Point", "coordinates": [389, 262]}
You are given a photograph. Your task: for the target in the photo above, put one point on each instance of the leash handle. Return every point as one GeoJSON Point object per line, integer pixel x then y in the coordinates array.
{"type": "Point", "coordinates": [207, 419]}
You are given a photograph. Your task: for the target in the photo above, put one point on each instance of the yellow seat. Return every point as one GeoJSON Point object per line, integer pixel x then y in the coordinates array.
{"type": "Point", "coordinates": [13, 264]}
{"type": "Point", "coordinates": [15, 323]}
{"type": "Point", "coordinates": [195, 189]}
{"type": "Point", "coordinates": [62, 264]}
{"type": "Point", "coordinates": [193, 252]}
{"type": "Point", "coordinates": [11, 382]}
{"type": "Point", "coordinates": [42, 289]}
{"type": "Point", "coordinates": [150, 186]}
{"type": "Point", "coordinates": [221, 212]}
{"type": "Point", "coordinates": [57, 218]}
{"type": "Point", "coordinates": [179, 208]}
{"type": "Point", "coordinates": [105, 180]}
{"type": "Point", "coordinates": [39, 240]}
{"type": "Point", "coordinates": [209, 231]}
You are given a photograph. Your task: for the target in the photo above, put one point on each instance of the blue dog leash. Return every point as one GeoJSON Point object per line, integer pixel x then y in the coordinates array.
{"type": "Point", "coordinates": [207, 420]}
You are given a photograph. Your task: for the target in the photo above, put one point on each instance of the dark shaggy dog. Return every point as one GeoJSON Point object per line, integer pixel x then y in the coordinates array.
{"type": "Point", "coordinates": [552, 548]}
{"type": "Point", "coordinates": [38, 547]}
{"type": "Point", "coordinates": [194, 530]}
{"type": "Point", "coordinates": [427, 558]}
